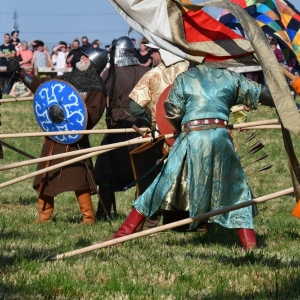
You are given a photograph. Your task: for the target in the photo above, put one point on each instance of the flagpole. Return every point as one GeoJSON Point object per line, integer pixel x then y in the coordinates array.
{"type": "Point", "coordinates": [198, 218]}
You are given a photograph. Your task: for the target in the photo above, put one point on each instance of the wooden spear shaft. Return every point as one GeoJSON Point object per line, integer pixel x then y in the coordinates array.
{"type": "Point", "coordinates": [76, 159]}
{"type": "Point", "coordinates": [21, 99]}
{"type": "Point", "coordinates": [172, 225]}
{"type": "Point", "coordinates": [251, 124]}
{"type": "Point", "coordinates": [53, 133]}
{"type": "Point", "coordinates": [105, 148]}
{"type": "Point", "coordinates": [103, 131]}
{"type": "Point", "coordinates": [263, 127]}
{"type": "Point", "coordinates": [110, 147]}
{"type": "Point", "coordinates": [42, 171]}
{"type": "Point", "coordinates": [46, 158]}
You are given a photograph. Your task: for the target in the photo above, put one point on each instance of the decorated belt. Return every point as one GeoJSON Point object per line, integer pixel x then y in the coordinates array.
{"type": "Point", "coordinates": [203, 127]}
{"type": "Point", "coordinates": [203, 122]}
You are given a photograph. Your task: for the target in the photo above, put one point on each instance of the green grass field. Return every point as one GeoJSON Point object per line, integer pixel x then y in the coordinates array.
{"type": "Point", "coordinates": [168, 265]}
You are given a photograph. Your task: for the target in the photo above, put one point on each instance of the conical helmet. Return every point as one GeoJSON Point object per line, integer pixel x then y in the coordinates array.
{"type": "Point", "coordinates": [124, 52]}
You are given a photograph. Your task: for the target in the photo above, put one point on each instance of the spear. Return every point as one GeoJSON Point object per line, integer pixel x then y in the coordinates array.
{"type": "Point", "coordinates": [263, 127]}
{"type": "Point", "coordinates": [2, 143]}
{"type": "Point", "coordinates": [202, 217]}
{"type": "Point", "coordinates": [54, 133]}
{"type": "Point", "coordinates": [20, 99]}
{"type": "Point", "coordinates": [54, 167]}
{"type": "Point", "coordinates": [251, 124]}
{"type": "Point", "coordinates": [35, 134]}
{"type": "Point", "coordinates": [265, 168]}
{"type": "Point", "coordinates": [256, 160]}
{"type": "Point", "coordinates": [90, 152]}
{"type": "Point", "coordinates": [103, 148]}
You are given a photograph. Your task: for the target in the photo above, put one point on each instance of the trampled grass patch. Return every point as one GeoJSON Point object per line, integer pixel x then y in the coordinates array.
{"type": "Point", "coordinates": [167, 265]}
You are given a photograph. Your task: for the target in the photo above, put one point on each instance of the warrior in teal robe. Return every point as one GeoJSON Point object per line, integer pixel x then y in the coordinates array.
{"type": "Point", "coordinates": [203, 171]}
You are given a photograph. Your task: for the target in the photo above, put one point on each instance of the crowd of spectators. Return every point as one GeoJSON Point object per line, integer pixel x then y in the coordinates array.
{"type": "Point", "coordinates": [65, 55]}
{"type": "Point", "coordinates": [36, 54]}
{"type": "Point", "coordinates": [62, 57]}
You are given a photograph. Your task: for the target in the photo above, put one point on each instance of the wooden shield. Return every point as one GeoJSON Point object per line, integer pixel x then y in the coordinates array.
{"type": "Point", "coordinates": [163, 125]}
{"type": "Point", "coordinates": [58, 106]}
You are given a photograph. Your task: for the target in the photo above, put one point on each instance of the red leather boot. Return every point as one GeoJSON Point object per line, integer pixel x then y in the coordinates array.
{"type": "Point", "coordinates": [247, 238]}
{"type": "Point", "coordinates": [131, 223]}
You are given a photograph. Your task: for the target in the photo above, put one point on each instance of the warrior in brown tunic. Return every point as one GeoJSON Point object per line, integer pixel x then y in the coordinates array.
{"type": "Point", "coordinates": [73, 177]}
{"type": "Point", "coordinates": [113, 170]}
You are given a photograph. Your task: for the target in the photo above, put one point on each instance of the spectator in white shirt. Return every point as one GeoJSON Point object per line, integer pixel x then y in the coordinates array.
{"type": "Point", "coordinates": [62, 53]}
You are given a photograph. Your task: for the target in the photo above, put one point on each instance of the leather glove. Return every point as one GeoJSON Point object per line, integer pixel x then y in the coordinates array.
{"type": "Point", "coordinates": [13, 66]}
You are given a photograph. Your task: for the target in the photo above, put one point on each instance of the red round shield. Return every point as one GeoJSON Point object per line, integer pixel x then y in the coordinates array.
{"type": "Point", "coordinates": [163, 125]}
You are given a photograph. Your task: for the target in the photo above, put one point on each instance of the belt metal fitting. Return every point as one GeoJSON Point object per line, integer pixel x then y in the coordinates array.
{"type": "Point", "coordinates": [187, 130]}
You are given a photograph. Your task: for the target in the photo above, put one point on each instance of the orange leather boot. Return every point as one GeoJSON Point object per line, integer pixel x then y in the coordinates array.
{"type": "Point", "coordinates": [247, 238]}
{"type": "Point", "coordinates": [45, 209]}
{"type": "Point", "coordinates": [86, 207]}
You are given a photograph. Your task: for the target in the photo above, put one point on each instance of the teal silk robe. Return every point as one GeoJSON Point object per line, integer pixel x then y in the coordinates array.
{"type": "Point", "coordinates": [203, 172]}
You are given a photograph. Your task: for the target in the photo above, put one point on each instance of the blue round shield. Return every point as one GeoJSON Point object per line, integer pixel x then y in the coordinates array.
{"type": "Point", "coordinates": [58, 106]}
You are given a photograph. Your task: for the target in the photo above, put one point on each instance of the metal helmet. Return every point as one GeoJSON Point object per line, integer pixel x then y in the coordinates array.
{"type": "Point", "coordinates": [124, 52]}
{"type": "Point", "coordinates": [98, 57]}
